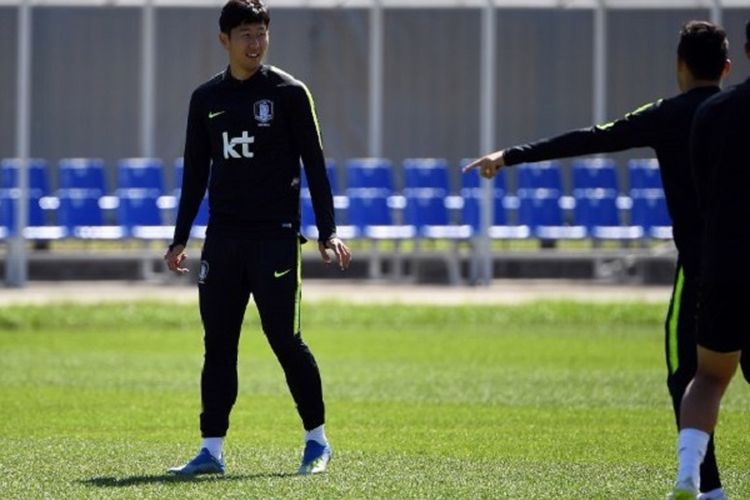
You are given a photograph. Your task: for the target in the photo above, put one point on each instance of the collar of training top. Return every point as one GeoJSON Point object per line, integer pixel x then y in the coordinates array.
{"type": "Point", "coordinates": [230, 80]}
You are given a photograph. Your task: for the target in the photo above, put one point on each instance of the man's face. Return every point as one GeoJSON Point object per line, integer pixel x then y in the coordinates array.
{"type": "Point", "coordinates": [246, 45]}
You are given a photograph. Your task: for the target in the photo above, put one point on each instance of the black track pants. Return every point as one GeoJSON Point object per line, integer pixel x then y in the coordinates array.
{"type": "Point", "coordinates": [232, 269]}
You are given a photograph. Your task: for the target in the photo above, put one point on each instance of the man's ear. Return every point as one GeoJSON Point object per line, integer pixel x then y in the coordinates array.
{"type": "Point", "coordinates": [224, 39]}
{"type": "Point", "coordinates": [727, 68]}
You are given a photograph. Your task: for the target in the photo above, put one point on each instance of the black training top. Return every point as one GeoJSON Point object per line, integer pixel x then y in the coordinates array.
{"type": "Point", "coordinates": [250, 135]}
{"type": "Point", "coordinates": [720, 159]}
{"type": "Point", "coordinates": [664, 126]}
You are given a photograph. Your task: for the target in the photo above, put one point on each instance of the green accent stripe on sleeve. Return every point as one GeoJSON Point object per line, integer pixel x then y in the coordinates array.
{"type": "Point", "coordinates": [674, 322]}
{"type": "Point", "coordinates": [643, 108]}
{"type": "Point", "coordinates": [605, 127]}
{"type": "Point", "coordinates": [314, 114]}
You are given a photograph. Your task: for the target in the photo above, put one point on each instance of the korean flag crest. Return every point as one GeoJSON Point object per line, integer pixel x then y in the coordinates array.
{"type": "Point", "coordinates": [263, 111]}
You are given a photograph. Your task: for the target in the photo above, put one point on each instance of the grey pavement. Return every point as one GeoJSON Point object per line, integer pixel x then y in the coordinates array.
{"type": "Point", "coordinates": [345, 291]}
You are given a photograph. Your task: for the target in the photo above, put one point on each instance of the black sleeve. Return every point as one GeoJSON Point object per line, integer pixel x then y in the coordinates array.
{"type": "Point", "coordinates": [306, 136]}
{"type": "Point", "coordinates": [197, 161]}
{"type": "Point", "coordinates": [635, 129]}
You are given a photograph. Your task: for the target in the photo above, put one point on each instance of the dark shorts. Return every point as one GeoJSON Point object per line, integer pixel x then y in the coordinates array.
{"type": "Point", "coordinates": [723, 308]}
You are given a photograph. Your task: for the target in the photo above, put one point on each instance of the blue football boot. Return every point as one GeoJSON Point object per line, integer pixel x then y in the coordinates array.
{"type": "Point", "coordinates": [204, 463]}
{"type": "Point", "coordinates": [315, 458]}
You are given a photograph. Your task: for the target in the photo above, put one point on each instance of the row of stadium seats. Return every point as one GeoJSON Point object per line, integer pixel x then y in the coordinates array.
{"type": "Point", "coordinates": [537, 208]}
{"type": "Point", "coordinates": [83, 207]}
{"type": "Point", "coordinates": [369, 207]}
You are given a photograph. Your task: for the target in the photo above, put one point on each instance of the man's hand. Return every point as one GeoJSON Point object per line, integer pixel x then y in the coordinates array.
{"type": "Point", "coordinates": [175, 258]}
{"type": "Point", "coordinates": [342, 252]}
{"type": "Point", "coordinates": [488, 165]}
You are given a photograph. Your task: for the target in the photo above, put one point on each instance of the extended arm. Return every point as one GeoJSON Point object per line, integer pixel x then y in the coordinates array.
{"type": "Point", "coordinates": [633, 130]}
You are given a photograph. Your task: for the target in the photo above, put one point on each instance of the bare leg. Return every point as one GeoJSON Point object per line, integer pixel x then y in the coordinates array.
{"type": "Point", "coordinates": [700, 405]}
{"type": "Point", "coordinates": [699, 413]}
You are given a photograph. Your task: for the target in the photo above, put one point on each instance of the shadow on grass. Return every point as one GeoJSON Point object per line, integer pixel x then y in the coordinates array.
{"type": "Point", "coordinates": [123, 482]}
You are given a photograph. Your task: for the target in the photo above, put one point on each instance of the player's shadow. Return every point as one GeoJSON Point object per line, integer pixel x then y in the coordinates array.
{"type": "Point", "coordinates": [124, 482]}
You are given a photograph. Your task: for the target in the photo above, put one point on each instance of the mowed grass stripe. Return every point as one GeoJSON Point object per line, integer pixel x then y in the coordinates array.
{"type": "Point", "coordinates": [537, 401]}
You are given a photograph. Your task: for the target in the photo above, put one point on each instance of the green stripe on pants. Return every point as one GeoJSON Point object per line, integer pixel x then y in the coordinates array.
{"type": "Point", "coordinates": [298, 293]}
{"type": "Point", "coordinates": [674, 322]}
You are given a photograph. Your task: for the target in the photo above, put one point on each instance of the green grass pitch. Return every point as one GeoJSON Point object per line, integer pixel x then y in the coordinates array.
{"type": "Point", "coordinates": [548, 400]}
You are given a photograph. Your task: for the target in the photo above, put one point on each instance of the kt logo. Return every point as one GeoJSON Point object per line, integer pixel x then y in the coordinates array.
{"type": "Point", "coordinates": [230, 144]}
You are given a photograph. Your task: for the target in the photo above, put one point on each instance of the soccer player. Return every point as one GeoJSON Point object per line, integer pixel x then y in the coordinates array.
{"type": "Point", "coordinates": [663, 125]}
{"type": "Point", "coordinates": [248, 127]}
{"type": "Point", "coordinates": [720, 156]}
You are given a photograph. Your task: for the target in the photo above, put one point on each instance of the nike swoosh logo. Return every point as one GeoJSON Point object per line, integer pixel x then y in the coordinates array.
{"type": "Point", "coordinates": [279, 274]}
{"type": "Point", "coordinates": [214, 115]}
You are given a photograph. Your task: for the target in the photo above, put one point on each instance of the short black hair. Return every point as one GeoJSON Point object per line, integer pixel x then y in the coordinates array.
{"type": "Point", "coordinates": [747, 31]}
{"type": "Point", "coordinates": [238, 12]}
{"type": "Point", "coordinates": [704, 48]}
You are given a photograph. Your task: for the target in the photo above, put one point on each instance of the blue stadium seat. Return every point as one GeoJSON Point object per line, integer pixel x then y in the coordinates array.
{"type": "Point", "coordinates": [598, 212]}
{"type": "Point", "coordinates": [427, 201]}
{"type": "Point", "coordinates": [544, 174]}
{"type": "Point", "coordinates": [40, 202]}
{"type": "Point", "coordinates": [140, 173]}
{"type": "Point", "coordinates": [540, 210]}
{"type": "Point", "coordinates": [371, 200]}
{"type": "Point", "coordinates": [140, 214]}
{"type": "Point", "coordinates": [9, 197]}
{"type": "Point", "coordinates": [426, 173]}
{"type": "Point", "coordinates": [426, 211]}
{"type": "Point", "coordinates": [598, 173]}
{"type": "Point", "coordinates": [540, 202]}
{"type": "Point", "coordinates": [649, 207]}
{"type": "Point", "coordinates": [39, 184]}
{"type": "Point", "coordinates": [597, 200]}
{"type": "Point", "coordinates": [596, 207]}
{"type": "Point", "coordinates": [649, 212]}
{"type": "Point", "coordinates": [37, 227]}
{"type": "Point", "coordinates": [471, 192]}
{"type": "Point", "coordinates": [644, 174]}
{"type": "Point", "coordinates": [83, 217]}
{"type": "Point", "coordinates": [370, 216]}
{"type": "Point", "coordinates": [82, 173]}
{"type": "Point", "coordinates": [370, 173]}
{"type": "Point", "coordinates": [5, 218]}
